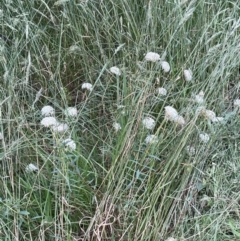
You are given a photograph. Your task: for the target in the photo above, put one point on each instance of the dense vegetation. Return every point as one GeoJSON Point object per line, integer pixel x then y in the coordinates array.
{"type": "Point", "coordinates": [123, 167]}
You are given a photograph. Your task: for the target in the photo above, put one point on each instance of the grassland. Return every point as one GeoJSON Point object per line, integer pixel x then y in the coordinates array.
{"type": "Point", "coordinates": [115, 185]}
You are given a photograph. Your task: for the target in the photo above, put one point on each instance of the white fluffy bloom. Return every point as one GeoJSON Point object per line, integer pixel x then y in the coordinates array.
{"type": "Point", "coordinates": [179, 121]}
{"type": "Point", "coordinates": [204, 137]}
{"type": "Point", "coordinates": [162, 91]}
{"type": "Point", "coordinates": [70, 144]}
{"type": "Point", "coordinates": [191, 150]}
{"type": "Point", "coordinates": [49, 121]}
{"type": "Point", "coordinates": [165, 66]}
{"type": "Point", "coordinates": [217, 119]}
{"type": "Point", "coordinates": [209, 114]}
{"type": "Point", "coordinates": [171, 239]}
{"type": "Point", "coordinates": [71, 111]}
{"type": "Point", "coordinates": [151, 56]}
{"type": "Point", "coordinates": [236, 103]}
{"type": "Point", "coordinates": [151, 139]}
{"type": "Point", "coordinates": [122, 108]}
{"type": "Point", "coordinates": [115, 70]}
{"type": "Point", "coordinates": [117, 126]}
{"type": "Point", "coordinates": [200, 110]}
{"type": "Point", "coordinates": [87, 86]}
{"type": "Point", "coordinates": [1, 136]}
{"type": "Point", "coordinates": [31, 168]}
{"type": "Point", "coordinates": [187, 73]}
{"type": "Point", "coordinates": [200, 97]}
{"type": "Point", "coordinates": [171, 113]}
{"type": "Point", "coordinates": [149, 123]}
{"type": "Point", "coordinates": [60, 127]}
{"type": "Point", "coordinates": [47, 110]}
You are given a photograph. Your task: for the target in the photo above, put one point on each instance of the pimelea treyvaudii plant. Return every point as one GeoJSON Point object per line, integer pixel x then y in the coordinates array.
{"type": "Point", "coordinates": [71, 112]}
{"type": "Point", "coordinates": [115, 70]}
{"type": "Point", "coordinates": [171, 114]}
{"type": "Point", "coordinates": [161, 91]}
{"type": "Point", "coordinates": [31, 168]}
{"type": "Point", "coordinates": [149, 123]}
{"type": "Point", "coordinates": [116, 126]}
{"type": "Point", "coordinates": [69, 144]}
{"type": "Point", "coordinates": [187, 74]}
{"type": "Point", "coordinates": [60, 127]}
{"type": "Point", "coordinates": [204, 137]}
{"type": "Point", "coordinates": [49, 121]}
{"type": "Point", "coordinates": [87, 86]}
{"type": "Point", "coordinates": [199, 98]}
{"type": "Point", "coordinates": [151, 139]}
{"type": "Point", "coordinates": [47, 111]}
{"type": "Point", "coordinates": [165, 66]}
{"type": "Point", "coordinates": [152, 57]}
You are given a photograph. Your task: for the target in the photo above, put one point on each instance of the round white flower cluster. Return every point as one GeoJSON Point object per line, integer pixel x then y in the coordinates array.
{"type": "Point", "coordinates": [70, 144]}
{"type": "Point", "coordinates": [171, 114]}
{"type": "Point", "coordinates": [165, 66]}
{"type": "Point", "coordinates": [71, 112]}
{"type": "Point", "coordinates": [161, 91]}
{"type": "Point", "coordinates": [149, 123]}
{"type": "Point", "coordinates": [152, 57]}
{"type": "Point", "coordinates": [204, 137]}
{"type": "Point", "coordinates": [87, 86]}
{"type": "Point", "coordinates": [188, 75]}
{"type": "Point", "coordinates": [236, 103]}
{"type": "Point", "coordinates": [47, 110]}
{"type": "Point", "coordinates": [191, 150]}
{"type": "Point", "coordinates": [115, 70]}
{"type": "Point", "coordinates": [209, 114]}
{"type": "Point", "coordinates": [199, 98]}
{"type": "Point", "coordinates": [50, 121]}
{"type": "Point", "coordinates": [151, 139]}
{"type": "Point", "coordinates": [117, 127]}
{"type": "Point", "coordinates": [31, 168]}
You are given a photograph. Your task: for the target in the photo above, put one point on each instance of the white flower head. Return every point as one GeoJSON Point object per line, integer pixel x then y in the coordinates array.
{"type": "Point", "coordinates": [209, 114]}
{"type": "Point", "coordinates": [179, 121]}
{"type": "Point", "coordinates": [217, 119]}
{"type": "Point", "coordinates": [151, 139]}
{"type": "Point", "coordinates": [117, 127]}
{"type": "Point", "coordinates": [149, 123]}
{"type": "Point", "coordinates": [48, 121]}
{"type": "Point", "coordinates": [60, 127]}
{"type": "Point", "coordinates": [71, 111]}
{"type": "Point", "coordinates": [31, 168]}
{"type": "Point", "coordinates": [115, 70]}
{"type": "Point", "coordinates": [171, 239]}
{"type": "Point", "coordinates": [162, 91]}
{"type": "Point", "coordinates": [1, 136]}
{"type": "Point", "coordinates": [200, 110]}
{"type": "Point", "coordinates": [200, 97]}
{"type": "Point", "coordinates": [70, 144]}
{"type": "Point", "coordinates": [187, 73]}
{"type": "Point", "coordinates": [236, 103]}
{"type": "Point", "coordinates": [191, 150]}
{"type": "Point", "coordinates": [74, 49]}
{"type": "Point", "coordinates": [171, 113]}
{"type": "Point", "coordinates": [122, 108]}
{"type": "Point", "coordinates": [87, 86]}
{"type": "Point", "coordinates": [165, 66]}
{"type": "Point", "coordinates": [47, 111]}
{"type": "Point", "coordinates": [204, 137]}
{"type": "Point", "coordinates": [151, 56]}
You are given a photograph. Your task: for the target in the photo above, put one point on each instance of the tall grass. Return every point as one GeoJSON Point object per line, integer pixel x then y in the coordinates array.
{"type": "Point", "coordinates": [115, 186]}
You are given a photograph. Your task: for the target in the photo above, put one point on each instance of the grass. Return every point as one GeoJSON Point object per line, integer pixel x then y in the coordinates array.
{"type": "Point", "coordinates": [114, 186]}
